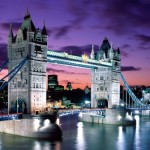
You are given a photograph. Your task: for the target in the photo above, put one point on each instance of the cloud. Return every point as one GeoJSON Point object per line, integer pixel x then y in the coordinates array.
{"type": "Point", "coordinates": [145, 39]}
{"type": "Point", "coordinates": [61, 31]}
{"type": "Point", "coordinates": [79, 11]}
{"type": "Point", "coordinates": [125, 46]}
{"type": "Point", "coordinates": [52, 70]}
{"type": "Point", "coordinates": [122, 17]}
{"type": "Point", "coordinates": [72, 82]}
{"type": "Point", "coordinates": [6, 26]}
{"type": "Point", "coordinates": [130, 68]}
{"type": "Point", "coordinates": [78, 15]}
{"type": "Point", "coordinates": [79, 50]}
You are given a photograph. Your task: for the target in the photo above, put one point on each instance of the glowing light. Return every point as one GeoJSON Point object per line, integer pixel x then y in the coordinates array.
{"type": "Point", "coordinates": [46, 122]}
{"type": "Point", "coordinates": [66, 54]}
{"type": "Point", "coordinates": [137, 112]}
{"type": "Point", "coordinates": [119, 117]}
{"type": "Point", "coordinates": [87, 102]}
{"type": "Point", "coordinates": [122, 104]}
{"type": "Point", "coordinates": [80, 115]}
{"type": "Point", "coordinates": [58, 121]}
{"type": "Point", "coordinates": [80, 137]}
{"type": "Point", "coordinates": [36, 124]}
{"type": "Point", "coordinates": [84, 57]}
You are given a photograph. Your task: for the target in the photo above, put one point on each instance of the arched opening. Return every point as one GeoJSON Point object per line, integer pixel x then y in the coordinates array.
{"type": "Point", "coordinates": [22, 106]}
{"type": "Point", "coordinates": [102, 103]}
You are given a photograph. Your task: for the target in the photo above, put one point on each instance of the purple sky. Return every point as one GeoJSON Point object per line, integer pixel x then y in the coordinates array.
{"type": "Point", "coordinates": [75, 25]}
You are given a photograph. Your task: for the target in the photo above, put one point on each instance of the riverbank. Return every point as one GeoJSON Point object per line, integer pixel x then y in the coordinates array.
{"type": "Point", "coordinates": [37, 126]}
{"type": "Point", "coordinates": [109, 116]}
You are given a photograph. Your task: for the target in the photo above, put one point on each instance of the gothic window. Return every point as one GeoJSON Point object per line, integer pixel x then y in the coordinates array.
{"type": "Point", "coordinates": [38, 49]}
{"type": "Point", "coordinates": [101, 88]}
{"type": "Point", "coordinates": [36, 85]}
{"type": "Point", "coordinates": [34, 68]}
{"type": "Point", "coordinates": [21, 75]}
{"type": "Point", "coordinates": [97, 89]}
{"type": "Point", "coordinates": [101, 78]}
{"type": "Point", "coordinates": [105, 88]}
{"type": "Point", "coordinates": [38, 36]}
{"type": "Point", "coordinates": [25, 69]}
{"type": "Point", "coordinates": [25, 81]}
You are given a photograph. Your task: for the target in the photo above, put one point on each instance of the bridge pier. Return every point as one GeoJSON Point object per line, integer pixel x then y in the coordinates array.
{"type": "Point", "coordinates": [112, 116]}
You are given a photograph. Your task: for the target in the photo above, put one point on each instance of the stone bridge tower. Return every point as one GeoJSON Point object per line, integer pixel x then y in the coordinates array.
{"type": "Point", "coordinates": [105, 80]}
{"type": "Point", "coordinates": [29, 85]}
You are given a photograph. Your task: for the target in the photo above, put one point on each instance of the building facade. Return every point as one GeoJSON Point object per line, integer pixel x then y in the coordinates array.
{"type": "Point", "coordinates": [105, 81]}
{"type": "Point", "coordinates": [27, 90]}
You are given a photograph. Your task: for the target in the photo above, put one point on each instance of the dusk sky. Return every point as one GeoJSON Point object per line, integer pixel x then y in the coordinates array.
{"type": "Point", "coordinates": [75, 25]}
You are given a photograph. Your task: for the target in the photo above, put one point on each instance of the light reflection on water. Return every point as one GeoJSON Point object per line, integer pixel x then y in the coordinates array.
{"type": "Point", "coordinates": [80, 137]}
{"type": "Point", "coordinates": [120, 139]}
{"type": "Point", "coordinates": [87, 136]}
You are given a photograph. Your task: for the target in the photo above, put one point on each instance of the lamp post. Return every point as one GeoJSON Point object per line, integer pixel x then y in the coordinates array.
{"type": "Point", "coordinates": [17, 91]}
{"type": "Point", "coordinates": [17, 96]}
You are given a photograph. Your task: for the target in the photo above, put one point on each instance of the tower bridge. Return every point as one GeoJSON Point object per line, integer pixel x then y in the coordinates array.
{"type": "Point", "coordinates": [27, 81]}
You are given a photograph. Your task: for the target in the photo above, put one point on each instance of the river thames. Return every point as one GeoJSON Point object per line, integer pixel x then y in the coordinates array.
{"type": "Point", "coordinates": [87, 136]}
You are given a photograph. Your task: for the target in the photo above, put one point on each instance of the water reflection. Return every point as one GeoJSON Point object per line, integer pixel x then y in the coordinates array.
{"type": "Point", "coordinates": [80, 142]}
{"type": "Point", "coordinates": [46, 145]}
{"type": "Point", "coordinates": [137, 132]}
{"type": "Point", "coordinates": [120, 139]}
{"type": "Point", "coordinates": [87, 136]}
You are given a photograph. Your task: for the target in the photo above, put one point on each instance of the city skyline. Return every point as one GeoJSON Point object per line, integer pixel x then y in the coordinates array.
{"type": "Point", "coordinates": [75, 26]}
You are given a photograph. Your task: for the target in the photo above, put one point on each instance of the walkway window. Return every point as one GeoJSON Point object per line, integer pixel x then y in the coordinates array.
{"type": "Point", "coordinates": [101, 78]}
{"type": "Point", "coordinates": [101, 88]}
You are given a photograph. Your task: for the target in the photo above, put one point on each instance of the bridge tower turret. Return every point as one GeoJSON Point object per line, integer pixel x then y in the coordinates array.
{"type": "Point", "coordinates": [29, 85]}
{"type": "Point", "coordinates": [105, 84]}
{"type": "Point", "coordinates": [92, 56]}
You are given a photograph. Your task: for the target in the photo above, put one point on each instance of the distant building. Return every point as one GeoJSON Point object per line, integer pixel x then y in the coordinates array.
{"type": "Point", "coordinates": [146, 95]}
{"type": "Point", "coordinates": [87, 90]}
{"type": "Point", "coordinates": [69, 86]}
{"type": "Point", "coordinates": [3, 96]}
{"type": "Point", "coordinates": [52, 82]}
{"type": "Point", "coordinates": [59, 88]}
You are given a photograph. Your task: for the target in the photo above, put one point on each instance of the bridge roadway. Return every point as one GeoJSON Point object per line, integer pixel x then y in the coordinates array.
{"type": "Point", "coordinates": [65, 112]}
{"type": "Point", "coordinates": [77, 61]}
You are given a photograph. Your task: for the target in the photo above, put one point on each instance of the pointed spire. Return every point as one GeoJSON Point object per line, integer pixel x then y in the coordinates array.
{"type": "Point", "coordinates": [92, 53]}
{"type": "Point", "coordinates": [105, 45]}
{"type": "Point", "coordinates": [44, 31]}
{"type": "Point", "coordinates": [118, 50]}
{"type": "Point", "coordinates": [111, 45]}
{"type": "Point", "coordinates": [10, 31]}
{"type": "Point", "coordinates": [105, 39]}
{"type": "Point", "coordinates": [27, 15]}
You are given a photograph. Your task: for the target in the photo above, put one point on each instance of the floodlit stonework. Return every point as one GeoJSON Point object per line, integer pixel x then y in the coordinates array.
{"type": "Point", "coordinates": [29, 84]}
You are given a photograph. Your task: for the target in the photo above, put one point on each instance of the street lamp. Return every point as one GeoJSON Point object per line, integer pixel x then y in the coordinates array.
{"type": "Point", "coordinates": [17, 92]}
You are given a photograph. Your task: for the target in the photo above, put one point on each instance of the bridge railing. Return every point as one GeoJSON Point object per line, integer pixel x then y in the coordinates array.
{"type": "Point", "coordinates": [65, 112]}
{"type": "Point", "coordinates": [137, 101]}
{"type": "Point", "coordinates": [76, 58]}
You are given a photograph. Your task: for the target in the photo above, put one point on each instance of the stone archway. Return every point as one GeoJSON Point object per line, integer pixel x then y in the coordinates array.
{"type": "Point", "coordinates": [22, 106]}
{"type": "Point", "coordinates": [102, 103]}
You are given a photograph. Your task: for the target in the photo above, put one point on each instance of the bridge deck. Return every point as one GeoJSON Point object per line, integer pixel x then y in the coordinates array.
{"type": "Point", "coordinates": [72, 60]}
